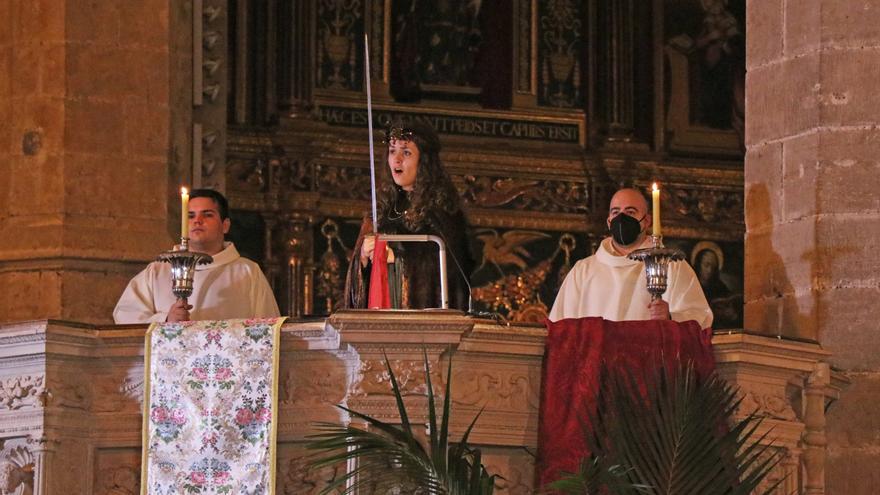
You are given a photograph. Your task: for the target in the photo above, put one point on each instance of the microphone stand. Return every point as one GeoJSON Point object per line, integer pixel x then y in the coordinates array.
{"type": "Point", "coordinates": [500, 319]}
{"type": "Point", "coordinates": [444, 292]}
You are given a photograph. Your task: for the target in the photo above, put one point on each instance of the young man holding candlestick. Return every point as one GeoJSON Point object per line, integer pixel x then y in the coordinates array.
{"type": "Point", "coordinates": [612, 286]}
{"type": "Point", "coordinates": [229, 287]}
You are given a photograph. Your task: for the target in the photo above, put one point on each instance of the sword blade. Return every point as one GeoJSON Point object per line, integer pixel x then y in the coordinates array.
{"type": "Point", "coordinates": [370, 127]}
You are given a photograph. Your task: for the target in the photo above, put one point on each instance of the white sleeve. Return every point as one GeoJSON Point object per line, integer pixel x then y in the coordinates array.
{"type": "Point", "coordinates": [686, 299]}
{"type": "Point", "coordinates": [137, 304]}
{"type": "Point", "coordinates": [263, 302]}
{"type": "Point", "coordinates": [568, 298]}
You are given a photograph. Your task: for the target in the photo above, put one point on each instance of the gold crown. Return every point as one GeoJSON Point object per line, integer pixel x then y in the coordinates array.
{"type": "Point", "coordinates": [397, 134]}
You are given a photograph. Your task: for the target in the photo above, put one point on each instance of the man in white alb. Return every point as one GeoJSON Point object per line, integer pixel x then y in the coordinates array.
{"type": "Point", "coordinates": [230, 287]}
{"type": "Point", "coordinates": [610, 285]}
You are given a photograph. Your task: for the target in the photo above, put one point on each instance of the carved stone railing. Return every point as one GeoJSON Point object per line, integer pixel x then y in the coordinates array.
{"type": "Point", "coordinates": [70, 395]}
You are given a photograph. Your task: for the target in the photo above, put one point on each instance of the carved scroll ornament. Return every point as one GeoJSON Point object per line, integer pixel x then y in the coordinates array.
{"type": "Point", "coordinates": [22, 391]}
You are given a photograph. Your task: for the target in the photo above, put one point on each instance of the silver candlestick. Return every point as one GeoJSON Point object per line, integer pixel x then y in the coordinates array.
{"type": "Point", "coordinates": [183, 267]}
{"type": "Point", "coordinates": [656, 259]}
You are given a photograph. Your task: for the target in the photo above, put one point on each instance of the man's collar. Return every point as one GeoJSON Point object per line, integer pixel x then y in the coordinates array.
{"type": "Point", "coordinates": [613, 248]}
{"type": "Point", "coordinates": [608, 255]}
{"type": "Point", "coordinates": [226, 256]}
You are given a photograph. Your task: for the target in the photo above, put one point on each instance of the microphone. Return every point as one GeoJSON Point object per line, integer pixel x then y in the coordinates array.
{"type": "Point", "coordinates": [464, 277]}
{"type": "Point", "coordinates": [498, 317]}
{"type": "Point", "coordinates": [433, 222]}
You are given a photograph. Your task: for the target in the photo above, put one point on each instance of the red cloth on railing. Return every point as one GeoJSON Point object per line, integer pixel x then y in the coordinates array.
{"type": "Point", "coordinates": [577, 353]}
{"type": "Point", "coordinates": [379, 297]}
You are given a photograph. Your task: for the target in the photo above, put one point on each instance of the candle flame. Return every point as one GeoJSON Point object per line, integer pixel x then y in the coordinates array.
{"type": "Point", "coordinates": [654, 187]}
{"type": "Point", "coordinates": [183, 190]}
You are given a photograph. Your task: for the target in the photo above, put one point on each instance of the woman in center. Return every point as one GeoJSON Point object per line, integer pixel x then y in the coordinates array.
{"type": "Point", "coordinates": [418, 197]}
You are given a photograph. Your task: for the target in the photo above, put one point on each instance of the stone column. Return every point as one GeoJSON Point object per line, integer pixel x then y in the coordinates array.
{"type": "Point", "coordinates": [815, 440]}
{"type": "Point", "coordinates": [812, 213]}
{"type": "Point", "coordinates": [85, 93]}
{"type": "Point", "coordinates": [43, 450]}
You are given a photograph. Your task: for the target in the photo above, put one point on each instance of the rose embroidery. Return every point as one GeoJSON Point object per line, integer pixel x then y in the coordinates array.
{"type": "Point", "coordinates": [168, 422]}
{"type": "Point", "coordinates": [253, 423]}
{"type": "Point", "coordinates": [211, 371]}
{"type": "Point", "coordinates": [208, 473]}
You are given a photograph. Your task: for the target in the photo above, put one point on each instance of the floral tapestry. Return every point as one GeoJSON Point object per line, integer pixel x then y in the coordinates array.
{"type": "Point", "coordinates": [211, 390]}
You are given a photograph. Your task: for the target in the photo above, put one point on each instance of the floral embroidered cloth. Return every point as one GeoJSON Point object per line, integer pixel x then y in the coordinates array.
{"type": "Point", "coordinates": [211, 390]}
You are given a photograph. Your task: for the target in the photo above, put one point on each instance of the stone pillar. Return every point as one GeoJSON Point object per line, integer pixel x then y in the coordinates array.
{"type": "Point", "coordinates": [812, 208]}
{"type": "Point", "coordinates": [85, 93]}
{"type": "Point", "coordinates": [43, 450]}
{"type": "Point", "coordinates": [814, 438]}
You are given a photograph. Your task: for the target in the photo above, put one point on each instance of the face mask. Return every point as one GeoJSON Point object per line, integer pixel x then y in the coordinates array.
{"type": "Point", "coordinates": [625, 229]}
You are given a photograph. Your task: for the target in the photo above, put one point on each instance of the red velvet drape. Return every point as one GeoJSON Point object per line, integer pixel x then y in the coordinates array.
{"type": "Point", "coordinates": [577, 354]}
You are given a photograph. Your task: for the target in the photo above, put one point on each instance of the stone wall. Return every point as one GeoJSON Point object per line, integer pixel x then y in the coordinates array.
{"type": "Point", "coordinates": [812, 208]}
{"type": "Point", "coordinates": [84, 144]}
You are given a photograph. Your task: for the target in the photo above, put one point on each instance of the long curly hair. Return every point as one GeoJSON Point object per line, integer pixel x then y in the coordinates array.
{"type": "Point", "coordinates": [433, 189]}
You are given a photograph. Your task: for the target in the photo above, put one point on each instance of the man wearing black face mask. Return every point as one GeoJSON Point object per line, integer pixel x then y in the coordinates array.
{"type": "Point", "coordinates": [610, 285]}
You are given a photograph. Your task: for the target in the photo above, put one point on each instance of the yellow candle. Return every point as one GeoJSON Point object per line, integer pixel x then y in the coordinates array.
{"type": "Point", "coordinates": [184, 212]}
{"type": "Point", "coordinates": [655, 208]}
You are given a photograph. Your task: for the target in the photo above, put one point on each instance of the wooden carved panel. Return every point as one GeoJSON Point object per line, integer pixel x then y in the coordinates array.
{"type": "Point", "coordinates": [339, 51]}
{"type": "Point", "coordinates": [525, 194]}
{"type": "Point", "coordinates": [561, 50]}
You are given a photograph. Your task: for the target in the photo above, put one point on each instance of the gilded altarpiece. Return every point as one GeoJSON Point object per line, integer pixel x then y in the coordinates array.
{"type": "Point", "coordinates": [535, 174]}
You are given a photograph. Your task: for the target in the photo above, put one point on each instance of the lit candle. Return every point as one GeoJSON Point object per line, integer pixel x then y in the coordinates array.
{"type": "Point", "coordinates": [655, 208]}
{"type": "Point", "coordinates": [184, 213]}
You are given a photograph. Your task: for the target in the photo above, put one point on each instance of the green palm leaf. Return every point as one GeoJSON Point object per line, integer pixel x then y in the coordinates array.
{"type": "Point", "coordinates": [593, 477]}
{"type": "Point", "coordinates": [389, 456]}
{"type": "Point", "coordinates": [675, 438]}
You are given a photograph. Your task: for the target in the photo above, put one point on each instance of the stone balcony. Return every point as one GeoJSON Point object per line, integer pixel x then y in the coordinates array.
{"type": "Point", "coordinates": [70, 395]}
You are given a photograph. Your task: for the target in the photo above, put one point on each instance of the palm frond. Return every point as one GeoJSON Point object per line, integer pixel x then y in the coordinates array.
{"type": "Point", "coordinates": [390, 455]}
{"type": "Point", "coordinates": [673, 434]}
{"type": "Point", "coordinates": [593, 476]}
{"type": "Point", "coordinates": [376, 453]}
{"type": "Point", "coordinates": [439, 460]}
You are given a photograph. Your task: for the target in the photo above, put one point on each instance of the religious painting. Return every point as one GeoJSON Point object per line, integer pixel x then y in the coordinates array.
{"type": "Point", "coordinates": [704, 53]}
{"type": "Point", "coordinates": [435, 48]}
{"type": "Point", "coordinates": [719, 268]}
{"type": "Point", "coordinates": [448, 50]}
{"type": "Point", "coordinates": [518, 272]}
